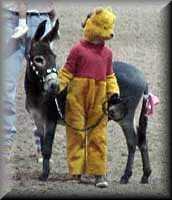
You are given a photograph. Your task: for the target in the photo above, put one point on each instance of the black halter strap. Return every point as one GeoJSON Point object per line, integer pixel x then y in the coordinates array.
{"type": "Point", "coordinates": [41, 78]}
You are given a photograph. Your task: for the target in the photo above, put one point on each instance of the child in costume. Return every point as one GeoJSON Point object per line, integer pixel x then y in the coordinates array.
{"type": "Point", "coordinates": [90, 80]}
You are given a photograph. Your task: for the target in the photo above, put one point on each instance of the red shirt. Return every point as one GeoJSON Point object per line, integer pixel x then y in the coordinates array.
{"type": "Point", "coordinates": [90, 60]}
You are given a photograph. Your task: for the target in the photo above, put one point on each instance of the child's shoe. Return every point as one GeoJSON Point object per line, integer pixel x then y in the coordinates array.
{"type": "Point", "coordinates": [76, 177]}
{"type": "Point", "coordinates": [101, 181]}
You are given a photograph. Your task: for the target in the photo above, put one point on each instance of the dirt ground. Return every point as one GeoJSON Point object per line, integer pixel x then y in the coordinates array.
{"type": "Point", "coordinates": [140, 39]}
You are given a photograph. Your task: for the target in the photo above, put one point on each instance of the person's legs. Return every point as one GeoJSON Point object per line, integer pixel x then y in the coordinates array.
{"type": "Point", "coordinates": [75, 151]}
{"type": "Point", "coordinates": [75, 119]}
{"type": "Point", "coordinates": [97, 149]}
{"type": "Point", "coordinates": [97, 137]}
{"type": "Point", "coordinates": [11, 68]}
{"type": "Point", "coordinates": [10, 73]}
{"type": "Point", "coordinates": [97, 153]}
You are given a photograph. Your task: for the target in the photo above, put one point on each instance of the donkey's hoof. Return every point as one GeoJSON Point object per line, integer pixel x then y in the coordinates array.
{"type": "Point", "coordinates": [145, 177]}
{"type": "Point", "coordinates": [43, 177]}
{"type": "Point", "coordinates": [123, 180]}
{"type": "Point", "coordinates": [144, 180]}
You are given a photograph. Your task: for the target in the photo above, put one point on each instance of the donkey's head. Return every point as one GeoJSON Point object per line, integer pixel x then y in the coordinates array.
{"type": "Point", "coordinates": [41, 59]}
{"type": "Point", "coordinates": [117, 108]}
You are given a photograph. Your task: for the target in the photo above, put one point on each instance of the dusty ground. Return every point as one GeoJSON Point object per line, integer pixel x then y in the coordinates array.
{"type": "Point", "coordinates": [140, 39]}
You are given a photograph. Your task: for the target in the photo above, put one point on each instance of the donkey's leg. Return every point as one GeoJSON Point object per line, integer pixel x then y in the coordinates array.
{"type": "Point", "coordinates": [143, 147]}
{"type": "Point", "coordinates": [129, 132]}
{"type": "Point", "coordinates": [38, 134]}
{"type": "Point", "coordinates": [38, 130]}
{"type": "Point", "coordinates": [146, 163]}
{"type": "Point", "coordinates": [47, 148]}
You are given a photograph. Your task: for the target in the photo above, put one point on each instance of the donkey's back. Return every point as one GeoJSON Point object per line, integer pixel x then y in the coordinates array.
{"type": "Point", "coordinates": [131, 81]}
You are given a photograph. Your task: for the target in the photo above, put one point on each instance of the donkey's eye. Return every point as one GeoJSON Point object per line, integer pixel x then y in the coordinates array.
{"type": "Point", "coordinates": [39, 61]}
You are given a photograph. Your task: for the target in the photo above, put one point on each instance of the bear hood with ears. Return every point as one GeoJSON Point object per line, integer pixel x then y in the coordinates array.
{"type": "Point", "coordinates": [100, 24]}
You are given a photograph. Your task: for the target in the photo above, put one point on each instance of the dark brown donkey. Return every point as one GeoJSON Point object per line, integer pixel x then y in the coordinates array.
{"type": "Point", "coordinates": [40, 87]}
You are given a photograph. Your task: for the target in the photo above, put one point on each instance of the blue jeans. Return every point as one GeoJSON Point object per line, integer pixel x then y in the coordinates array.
{"type": "Point", "coordinates": [12, 68]}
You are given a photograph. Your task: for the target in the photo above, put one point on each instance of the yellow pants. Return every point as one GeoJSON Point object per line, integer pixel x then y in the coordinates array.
{"type": "Point", "coordinates": [86, 151]}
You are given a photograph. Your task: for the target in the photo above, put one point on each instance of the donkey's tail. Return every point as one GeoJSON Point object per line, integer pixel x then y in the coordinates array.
{"type": "Point", "coordinates": [143, 120]}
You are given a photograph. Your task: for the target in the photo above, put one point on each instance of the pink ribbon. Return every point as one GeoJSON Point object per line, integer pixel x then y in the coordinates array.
{"type": "Point", "coordinates": [152, 100]}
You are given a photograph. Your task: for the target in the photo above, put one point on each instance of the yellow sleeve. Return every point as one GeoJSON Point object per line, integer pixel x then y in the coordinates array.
{"type": "Point", "coordinates": [64, 78]}
{"type": "Point", "coordinates": [112, 85]}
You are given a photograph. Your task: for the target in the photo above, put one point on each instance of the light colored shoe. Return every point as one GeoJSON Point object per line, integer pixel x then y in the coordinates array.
{"type": "Point", "coordinates": [20, 31]}
{"type": "Point", "coordinates": [5, 157]}
{"type": "Point", "coordinates": [101, 181]}
{"type": "Point", "coordinates": [6, 152]}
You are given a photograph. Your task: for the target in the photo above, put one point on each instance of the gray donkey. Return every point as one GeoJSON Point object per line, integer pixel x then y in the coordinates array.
{"type": "Point", "coordinates": [133, 88]}
{"type": "Point", "coordinates": [47, 107]}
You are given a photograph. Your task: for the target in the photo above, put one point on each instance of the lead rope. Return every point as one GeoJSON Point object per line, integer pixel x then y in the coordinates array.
{"type": "Point", "coordinates": [83, 129]}
{"type": "Point", "coordinates": [58, 109]}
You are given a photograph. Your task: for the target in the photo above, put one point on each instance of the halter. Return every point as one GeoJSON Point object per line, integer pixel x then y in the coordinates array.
{"type": "Point", "coordinates": [41, 78]}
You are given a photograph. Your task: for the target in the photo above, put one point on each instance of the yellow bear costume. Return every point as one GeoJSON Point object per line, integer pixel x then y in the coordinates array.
{"type": "Point", "coordinates": [102, 21]}
{"type": "Point", "coordinates": [90, 79]}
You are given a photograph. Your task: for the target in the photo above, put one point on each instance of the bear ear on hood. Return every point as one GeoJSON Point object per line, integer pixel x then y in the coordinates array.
{"type": "Point", "coordinates": [98, 10]}
{"type": "Point", "coordinates": [85, 21]}
{"type": "Point", "coordinates": [109, 9]}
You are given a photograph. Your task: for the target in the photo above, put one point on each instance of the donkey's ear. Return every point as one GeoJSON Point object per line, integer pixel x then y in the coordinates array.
{"type": "Point", "coordinates": [53, 33]}
{"type": "Point", "coordinates": [40, 31]}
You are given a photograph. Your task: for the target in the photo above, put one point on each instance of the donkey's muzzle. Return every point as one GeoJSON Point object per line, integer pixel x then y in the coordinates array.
{"type": "Point", "coordinates": [117, 112]}
{"type": "Point", "coordinates": [111, 114]}
{"type": "Point", "coordinates": [51, 85]}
